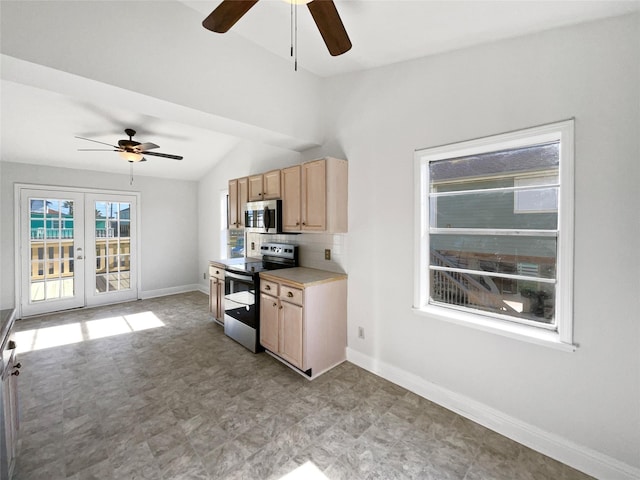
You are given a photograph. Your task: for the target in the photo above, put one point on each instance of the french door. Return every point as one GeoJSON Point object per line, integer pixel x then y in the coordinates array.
{"type": "Point", "coordinates": [76, 248]}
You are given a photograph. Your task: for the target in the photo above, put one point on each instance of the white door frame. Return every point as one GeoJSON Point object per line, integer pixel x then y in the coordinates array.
{"type": "Point", "coordinates": [18, 187]}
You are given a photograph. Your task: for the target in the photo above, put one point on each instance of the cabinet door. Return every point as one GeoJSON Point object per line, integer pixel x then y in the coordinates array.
{"type": "Point", "coordinates": [216, 298]}
{"type": "Point", "coordinates": [213, 296]}
{"type": "Point", "coordinates": [291, 333]}
{"type": "Point", "coordinates": [271, 184]}
{"type": "Point", "coordinates": [291, 199]}
{"type": "Point", "coordinates": [269, 322]}
{"type": "Point", "coordinates": [220, 300]}
{"type": "Point", "coordinates": [255, 188]}
{"type": "Point", "coordinates": [233, 203]}
{"type": "Point", "coordinates": [243, 198]}
{"type": "Point", "coordinates": [314, 195]}
{"type": "Point", "coordinates": [10, 405]}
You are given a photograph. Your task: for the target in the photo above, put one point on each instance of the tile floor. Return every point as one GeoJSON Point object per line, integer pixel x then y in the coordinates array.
{"type": "Point", "coordinates": [182, 401]}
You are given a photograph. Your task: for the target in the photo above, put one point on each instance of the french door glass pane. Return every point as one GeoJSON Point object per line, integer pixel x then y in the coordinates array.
{"type": "Point", "coordinates": [112, 246]}
{"type": "Point", "coordinates": [51, 240]}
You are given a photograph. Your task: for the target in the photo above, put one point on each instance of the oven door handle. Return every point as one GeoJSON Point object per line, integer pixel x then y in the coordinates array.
{"type": "Point", "coordinates": [239, 276]}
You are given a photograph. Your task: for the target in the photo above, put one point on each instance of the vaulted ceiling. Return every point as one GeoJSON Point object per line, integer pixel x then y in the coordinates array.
{"type": "Point", "coordinates": [92, 69]}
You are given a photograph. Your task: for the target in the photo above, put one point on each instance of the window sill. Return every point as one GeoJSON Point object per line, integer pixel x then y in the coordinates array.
{"type": "Point", "coordinates": [538, 336]}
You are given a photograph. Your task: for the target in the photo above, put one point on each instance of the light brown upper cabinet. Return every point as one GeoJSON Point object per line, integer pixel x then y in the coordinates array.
{"type": "Point", "coordinates": [264, 186]}
{"type": "Point", "coordinates": [238, 197]}
{"type": "Point", "coordinates": [314, 196]}
{"type": "Point", "coordinates": [255, 187]}
{"type": "Point", "coordinates": [291, 199]}
{"type": "Point", "coordinates": [271, 185]}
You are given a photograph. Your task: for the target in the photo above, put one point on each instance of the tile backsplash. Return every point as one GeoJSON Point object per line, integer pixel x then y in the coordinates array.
{"type": "Point", "coordinates": [311, 248]}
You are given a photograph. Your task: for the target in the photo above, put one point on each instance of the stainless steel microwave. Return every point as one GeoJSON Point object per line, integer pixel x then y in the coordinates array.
{"type": "Point", "coordinates": [264, 216]}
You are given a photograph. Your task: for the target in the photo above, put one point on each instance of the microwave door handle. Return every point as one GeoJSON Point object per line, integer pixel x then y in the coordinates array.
{"type": "Point", "coordinates": [267, 219]}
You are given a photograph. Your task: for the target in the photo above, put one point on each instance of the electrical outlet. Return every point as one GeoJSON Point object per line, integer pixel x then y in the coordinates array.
{"type": "Point", "coordinates": [327, 254]}
{"type": "Point", "coordinates": [253, 245]}
{"type": "Point", "coordinates": [361, 332]}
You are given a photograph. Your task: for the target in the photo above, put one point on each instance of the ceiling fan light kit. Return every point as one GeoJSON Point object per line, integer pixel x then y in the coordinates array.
{"type": "Point", "coordinates": [324, 13]}
{"type": "Point", "coordinates": [131, 156]}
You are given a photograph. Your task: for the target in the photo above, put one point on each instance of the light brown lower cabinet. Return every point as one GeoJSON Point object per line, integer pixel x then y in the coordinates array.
{"type": "Point", "coordinates": [304, 326]}
{"type": "Point", "coordinates": [9, 416]}
{"type": "Point", "coordinates": [216, 292]}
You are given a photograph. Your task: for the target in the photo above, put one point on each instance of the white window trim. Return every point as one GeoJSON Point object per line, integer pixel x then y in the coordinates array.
{"type": "Point", "coordinates": [562, 337]}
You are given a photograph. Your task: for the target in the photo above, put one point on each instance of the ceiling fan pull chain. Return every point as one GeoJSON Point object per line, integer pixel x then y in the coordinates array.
{"type": "Point", "coordinates": [295, 62]}
{"type": "Point", "coordinates": [130, 173]}
{"type": "Point", "coordinates": [291, 28]}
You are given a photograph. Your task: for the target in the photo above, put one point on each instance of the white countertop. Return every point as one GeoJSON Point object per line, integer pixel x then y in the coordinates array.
{"type": "Point", "coordinates": [302, 276]}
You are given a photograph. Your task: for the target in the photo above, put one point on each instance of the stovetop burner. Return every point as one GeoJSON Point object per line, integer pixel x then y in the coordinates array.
{"type": "Point", "coordinates": [275, 256]}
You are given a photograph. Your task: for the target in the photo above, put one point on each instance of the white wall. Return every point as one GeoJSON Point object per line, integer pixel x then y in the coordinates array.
{"type": "Point", "coordinates": [588, 402]}
{"type": "Point", "coordinates": [236, 82]}
{"type": "Point", "coordinates": [168, 223]}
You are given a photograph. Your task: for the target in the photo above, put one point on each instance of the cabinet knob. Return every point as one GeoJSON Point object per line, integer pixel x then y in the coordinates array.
{"type": "Point", "coordinates": [267, 287]}
{"type": "Point", "coordinates": [275, 304]}
{"type": "Point", "coordinates": [280, 307]}
{"type": "Point", "coordinates": [297, 223]}
{"type": "Point", "coordinates": [289, 294]}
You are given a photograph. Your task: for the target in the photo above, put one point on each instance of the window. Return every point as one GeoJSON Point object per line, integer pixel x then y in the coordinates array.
{"type": "Point", "coordinates": [494, 233]}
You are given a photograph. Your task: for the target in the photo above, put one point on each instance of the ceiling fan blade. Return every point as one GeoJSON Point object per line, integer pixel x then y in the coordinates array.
{"type": "Point", "coordinates": [143, 147]}
{"type": "Point", "coordinates": [96, 141]}
{"type": "Point", "coordinates": [98, 150]}
{"type": "Point", "coordinates": [227, 14]}
{"type": "Point", "coordinates": [328, 20]}
{"type": "Point", "coordinates": [164, 155]}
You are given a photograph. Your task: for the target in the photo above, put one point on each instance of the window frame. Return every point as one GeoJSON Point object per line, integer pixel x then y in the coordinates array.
{"type": "Point", "coordinates": [561, 336]}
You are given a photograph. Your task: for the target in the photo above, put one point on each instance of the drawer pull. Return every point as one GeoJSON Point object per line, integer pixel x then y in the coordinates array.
{"type": "Point", "coordinates": [16, 373]}
{"type": "Point", "coordinates": [289, 294]}
{"type": "Point", "coordinates": [267, 287]}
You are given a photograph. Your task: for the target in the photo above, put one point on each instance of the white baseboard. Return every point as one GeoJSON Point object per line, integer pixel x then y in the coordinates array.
{"type": "Point", "coordinates": [577, 456]}
{"type": "Point", "coordinates": [161, 292]}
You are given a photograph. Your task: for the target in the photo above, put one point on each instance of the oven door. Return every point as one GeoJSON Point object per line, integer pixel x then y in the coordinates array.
{"type": "Point", "coordinates": [241, 309]}
{"type": "Point", "coordinates": [240, 298]}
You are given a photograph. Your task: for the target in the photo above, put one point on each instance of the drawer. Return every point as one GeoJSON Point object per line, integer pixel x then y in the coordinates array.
{"type": "Point", "coordinates": [291, 294]}
{"type": "Point", "coordinates": [216, 272]}
{"type": "Point", "coordinates": [269, 287]}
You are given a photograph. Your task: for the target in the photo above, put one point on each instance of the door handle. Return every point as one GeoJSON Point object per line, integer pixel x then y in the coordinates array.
{"type": "Point", "coordinates": [79, 257]}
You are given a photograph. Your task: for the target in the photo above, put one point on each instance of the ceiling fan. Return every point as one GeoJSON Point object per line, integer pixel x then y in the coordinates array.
{"type": "Point", "coordinates": [130, 150]}
{"type": "Point", "coordinates": [324, 14]}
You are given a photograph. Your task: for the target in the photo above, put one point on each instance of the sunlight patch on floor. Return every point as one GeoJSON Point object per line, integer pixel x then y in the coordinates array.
{"type": "Point", "coordinates": [49, 337]}
{"type": "Point", "coordinates": [306, 471]}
